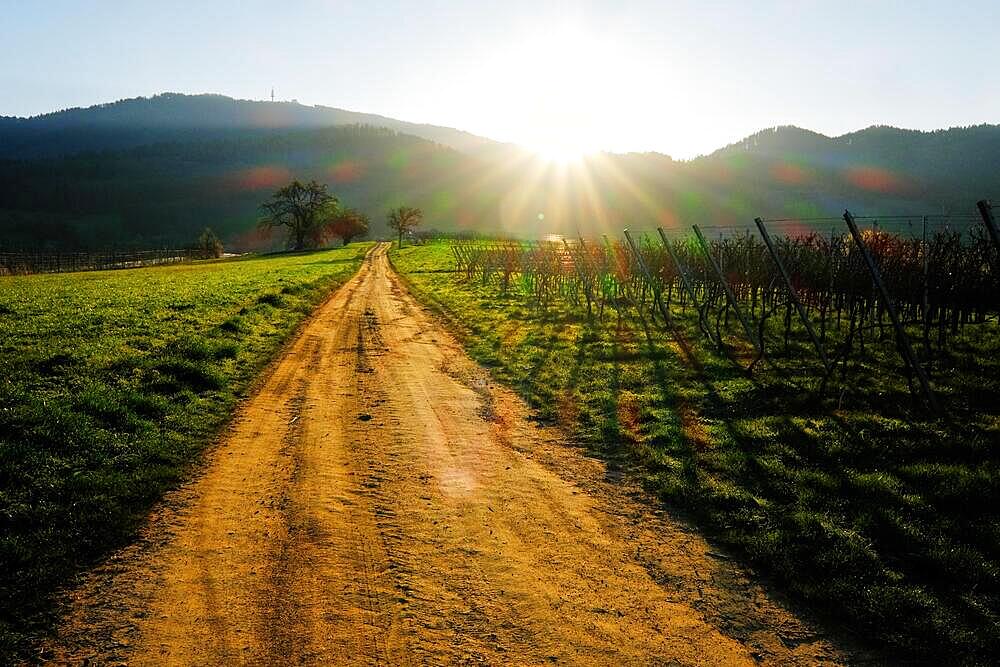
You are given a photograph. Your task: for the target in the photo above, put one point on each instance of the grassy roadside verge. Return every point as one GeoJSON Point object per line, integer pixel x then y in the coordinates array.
{"type": "Point", "coordinates": [883, 519]}
{"type": "Point", "coordinates": [111, 384]}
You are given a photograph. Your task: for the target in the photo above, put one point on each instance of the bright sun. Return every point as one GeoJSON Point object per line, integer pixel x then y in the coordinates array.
{"type": "Point", "coordinates": [560, 152]}
{"type": "Point", "coordinates": [563, 80]}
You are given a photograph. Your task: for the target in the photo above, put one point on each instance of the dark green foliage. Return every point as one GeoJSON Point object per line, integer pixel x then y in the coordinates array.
{"type": "Point", "coordinates": [301, 208]}
{"type": "Point", "coordinates": [166, 194]}
{"type": "Point", "coordinates": [209, 244]}
{"type": "Point", "coordinates": [270, 299]}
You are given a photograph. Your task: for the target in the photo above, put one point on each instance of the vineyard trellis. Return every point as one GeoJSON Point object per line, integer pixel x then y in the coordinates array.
{"type": "Point", "coordinates": [28, 262]}
{"type": "Point", "coordinates": [915, 280]}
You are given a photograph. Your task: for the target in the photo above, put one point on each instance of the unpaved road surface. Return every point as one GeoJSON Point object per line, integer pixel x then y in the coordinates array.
{"type": "Point", "coordinates": [380, 501]}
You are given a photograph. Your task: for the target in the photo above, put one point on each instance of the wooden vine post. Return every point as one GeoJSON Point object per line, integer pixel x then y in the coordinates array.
{"type": "Point", "coordinates": [986, 210]}
{"type": "Point", "coordinates": [730, 296]}
{"type": "Point", "coordinates": [903, 341]}
{"type": "Point", "coordinates": [923, 251]}
{"type": "Point", "coordinates": [681, 272]}
{"type": "Point", "coordinates": [792, 293]}
{"type": "Point", "coordinates": [460, 259]}
{"type": "Point", "coordinates": [649, 278]}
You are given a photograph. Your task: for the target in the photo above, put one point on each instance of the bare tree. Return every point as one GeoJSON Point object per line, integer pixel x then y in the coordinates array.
{"type": "Point", "coordinates": [299, 207]}
{"type": "Point", "coordinates": [404, 219]}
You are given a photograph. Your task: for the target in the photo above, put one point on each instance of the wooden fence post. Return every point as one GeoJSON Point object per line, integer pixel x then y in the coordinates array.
{"type": "Point", "coordinates": [792, 293]}
{"type": "Point", "coordinates": [902, 340]}
{"type": "Point", "coordinates": [730, 296]}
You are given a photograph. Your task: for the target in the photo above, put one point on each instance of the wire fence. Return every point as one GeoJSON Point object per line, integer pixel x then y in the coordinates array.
{"type": "Point", "coordinates": [28, 262]}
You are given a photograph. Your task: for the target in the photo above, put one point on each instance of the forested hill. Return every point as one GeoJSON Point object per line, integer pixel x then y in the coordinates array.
{"type": "Point", "coordinates": [177, 117]}
{"type": "Point", "coordinates": [942, 168]}
{"type": "Point", "coordinates": [165, 193]}
{"type": "Point", "coordinates": [155, 172]}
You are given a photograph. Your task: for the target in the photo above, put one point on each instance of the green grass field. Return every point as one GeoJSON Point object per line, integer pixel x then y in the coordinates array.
{"type": "Point", "coordinates": [111, 385]}
{"type": "Point", "coordinates": [882, 518]}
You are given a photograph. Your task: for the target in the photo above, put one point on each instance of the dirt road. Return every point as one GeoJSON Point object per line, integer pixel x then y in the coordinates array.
{"type": "Point", "coordinates": [381, 501]}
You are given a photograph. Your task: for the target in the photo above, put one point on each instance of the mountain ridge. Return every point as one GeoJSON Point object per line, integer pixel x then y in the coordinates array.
{"type": "Point", "coordinates": [155, 171]}
{"type": "Point", "coordinates": [160, 114]}
{"type": "Point", "coordinates": [284, 114]}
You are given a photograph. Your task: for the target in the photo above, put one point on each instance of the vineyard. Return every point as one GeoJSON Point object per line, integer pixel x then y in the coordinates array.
{"type": "Point", "coordinates": [782, 292]}
{"type": "Point", "coordinates": [767, 379]}
{"type": "Point", "coordinates": [29, 262]}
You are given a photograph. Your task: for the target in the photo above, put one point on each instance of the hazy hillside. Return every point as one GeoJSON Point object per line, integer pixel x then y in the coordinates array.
{"type": "Point", "coordinates": [164, 193]}
{"type": "Point", "coordinates": [939, 167]}
{"type": "Point", "coordinates": [156, 171]}
{"type": "Point", "coordinates": [173, 117]}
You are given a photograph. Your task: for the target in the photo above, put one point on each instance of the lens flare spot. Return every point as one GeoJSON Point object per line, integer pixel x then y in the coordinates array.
{"type": "Point", "coordinates": [442, 202]}
{"type": "Point", "coordinates": [789, 174]}
{"type": "Point", "coordinates": [465, 218]}
{"type": "Point", "coordinates": [800, 208]}
{"type": "Point", "coordinates": [346, 171]}
{"type": "Point", "coordinates": [668, 219]}
{"type": "Point", "coordinates": [691, 203]}
{"type": "Point", "coordinates": [399, 159]}
{"type": "Point", "coordinates": [264, 177]}
{"type": "Point", "coordinates": [875, 179]}
{"type": "Point", "coordinates": [739, 205]}
{"type": "Point", "coordinates": [721, 173]}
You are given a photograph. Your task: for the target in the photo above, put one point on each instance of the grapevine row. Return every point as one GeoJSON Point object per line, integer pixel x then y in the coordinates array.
{"type": "Point", "coordinates": [937, 284]}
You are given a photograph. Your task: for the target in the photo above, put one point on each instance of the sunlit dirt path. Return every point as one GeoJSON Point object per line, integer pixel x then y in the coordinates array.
{"type": "Point", "coordinates": [380, 501]}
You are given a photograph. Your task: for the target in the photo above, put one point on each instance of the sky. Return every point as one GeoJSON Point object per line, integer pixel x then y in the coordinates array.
{"type": "Point", "coordinates": [681, 78]}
